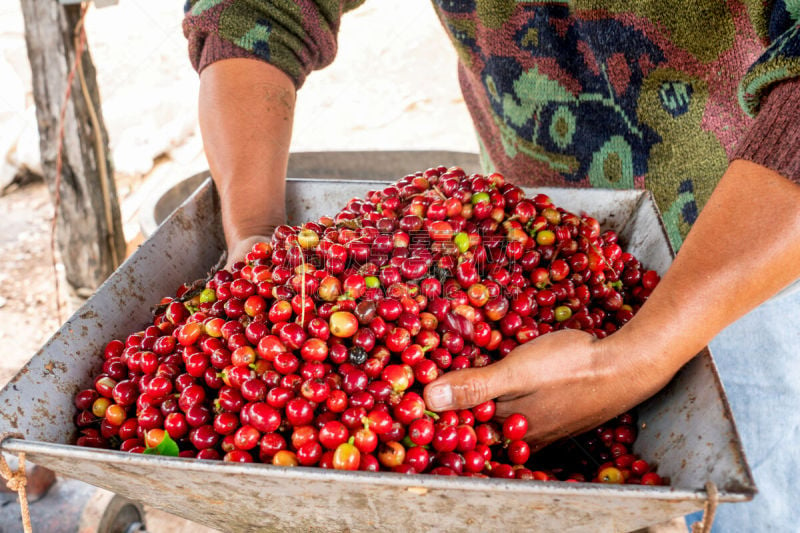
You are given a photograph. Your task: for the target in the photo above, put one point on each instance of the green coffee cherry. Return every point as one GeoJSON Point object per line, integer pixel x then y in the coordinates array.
{"type": "Point", "coordinates": [480, 197]}
{"type": "Point", "coordinates": [461, 240]}
{"type": "Point", "coordinates": [562, 313]}
{"type": "Point", "coordinates": [208, 296]}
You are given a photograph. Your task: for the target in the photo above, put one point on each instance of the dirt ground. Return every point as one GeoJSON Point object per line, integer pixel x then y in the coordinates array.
{"type": "Point", "coordinates": [27, 287]}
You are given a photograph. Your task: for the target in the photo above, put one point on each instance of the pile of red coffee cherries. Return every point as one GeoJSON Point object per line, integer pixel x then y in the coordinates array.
{"type": "Point", "coordinates": [314, 350]}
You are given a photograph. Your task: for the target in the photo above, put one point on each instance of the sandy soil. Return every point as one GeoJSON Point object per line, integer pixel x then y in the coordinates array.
{"type": "Point", "coordinates": [27, 286]}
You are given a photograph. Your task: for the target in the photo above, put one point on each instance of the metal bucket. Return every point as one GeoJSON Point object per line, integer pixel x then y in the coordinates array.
{"type": "Point", "coordinates": [687, 429]}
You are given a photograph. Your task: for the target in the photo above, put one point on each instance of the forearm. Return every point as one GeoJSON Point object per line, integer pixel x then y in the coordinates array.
{"type": "Point", "coordinates": [744, 247]}
{"type": "Point", "coordinates": [246, 113]}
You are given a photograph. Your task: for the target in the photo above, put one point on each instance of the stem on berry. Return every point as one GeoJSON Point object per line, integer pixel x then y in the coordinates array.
{"type": "Point", "coordinates": [435, 188]}
{"type": "Point", "coordinates": [302, 286]}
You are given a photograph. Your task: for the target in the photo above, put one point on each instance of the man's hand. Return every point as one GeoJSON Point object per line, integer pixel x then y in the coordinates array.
{"type": "Point", "coordinates": [565, 383]}
{"type": "Point", "coordinates": [744, 247]}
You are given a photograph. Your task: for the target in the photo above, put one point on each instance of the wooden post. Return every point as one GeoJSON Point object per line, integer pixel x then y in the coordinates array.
{"type": "Point", "coordinates": [89, 227]}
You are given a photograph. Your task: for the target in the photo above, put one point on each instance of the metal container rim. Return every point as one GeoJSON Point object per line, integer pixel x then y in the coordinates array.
{"type": "Point", "coordinates": [409, 482]}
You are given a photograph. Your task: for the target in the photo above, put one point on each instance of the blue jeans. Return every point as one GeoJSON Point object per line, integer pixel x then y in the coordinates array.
{"type": "Point", "coordinates": [759, 361]}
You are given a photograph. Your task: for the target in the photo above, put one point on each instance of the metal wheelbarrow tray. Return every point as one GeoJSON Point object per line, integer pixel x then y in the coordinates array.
{"type": "Point", "coordinates": [687, 429]}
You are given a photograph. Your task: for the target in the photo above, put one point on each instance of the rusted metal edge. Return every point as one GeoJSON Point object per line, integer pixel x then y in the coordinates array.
{"type": "Point", "coordinates": [735, 446]}
{"type": "Point", "coordinates": [413, 482]}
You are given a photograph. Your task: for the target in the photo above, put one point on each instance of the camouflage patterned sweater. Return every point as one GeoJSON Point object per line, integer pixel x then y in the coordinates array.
{"type": "Point", "coordinates": [655, 94]}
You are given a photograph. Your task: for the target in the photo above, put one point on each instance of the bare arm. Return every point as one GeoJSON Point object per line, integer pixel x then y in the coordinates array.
{"type": "Point", "coordinates": [744, 247]}
{"type": "Point", "coordinates": [246, 114]}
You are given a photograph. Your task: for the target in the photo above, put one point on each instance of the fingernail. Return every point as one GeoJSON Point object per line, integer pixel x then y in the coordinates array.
{"type": "Point", "coordinates": [440, 396]}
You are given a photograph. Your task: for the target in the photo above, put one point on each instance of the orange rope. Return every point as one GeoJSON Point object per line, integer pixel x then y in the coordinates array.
{"type": "Point", "coordinates": [302, 286]}
{"type": "Point", "coordinates": [704, 526]}
{"type": "Point", "coordinates": [17, 481]}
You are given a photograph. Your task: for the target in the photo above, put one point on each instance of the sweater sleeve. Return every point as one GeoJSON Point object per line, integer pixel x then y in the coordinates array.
{"type": "Point", "coordinates": [770, 91]}
{"type": "Point", "coordinates": [779, 62]}
{"type": "Point", "coordinates": [773, 139]}
{"type": "Point", "coordinates": [296, 36]}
